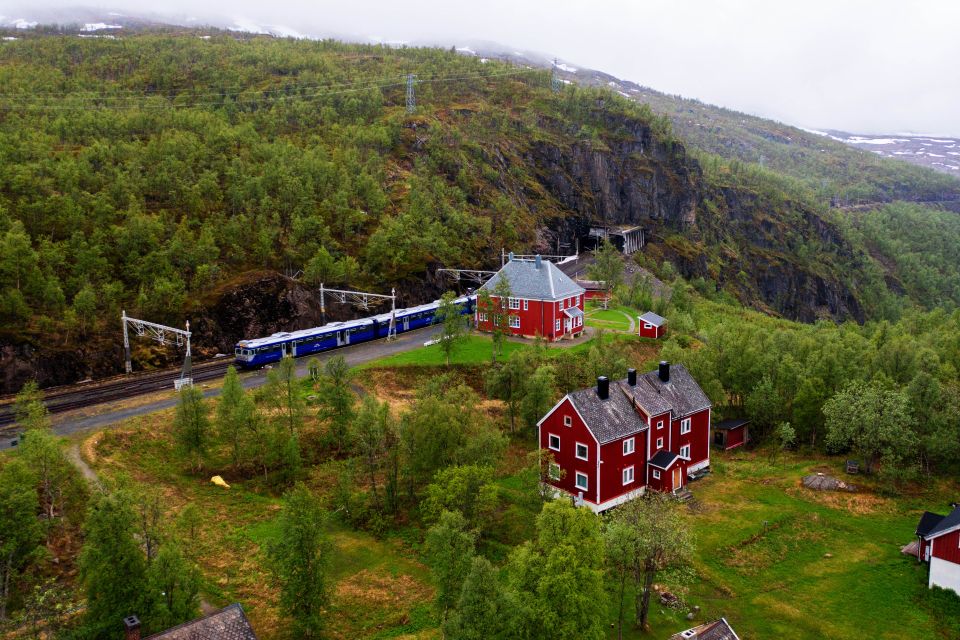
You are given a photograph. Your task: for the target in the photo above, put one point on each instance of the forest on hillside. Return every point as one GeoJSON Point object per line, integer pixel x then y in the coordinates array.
{"type": "Point", "coordinates": [150, 173]}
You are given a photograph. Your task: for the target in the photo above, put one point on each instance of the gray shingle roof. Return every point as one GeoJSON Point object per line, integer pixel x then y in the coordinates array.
{"type": "Point", "coordinates": [927, 522]}
{"type": "Point", "coordinates": [663, 459]}
{"type": "Point", "coordinates": [716, 630]}
{"type": "Point", "coordinates": [527, 281]}
{"type": "Point", "coordinates": [651, 318]}
{"type": "Point", "coordinates": [949, 522]}
{"type": "Point", "coordinates": [682, 394]}
{"type": "Point", "coordinates": [229, 623]}
{"type": "Point", "coordinates": [609, 419]}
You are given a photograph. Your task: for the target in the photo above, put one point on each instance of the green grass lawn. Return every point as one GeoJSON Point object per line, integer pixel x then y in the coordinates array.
{"type": "Point", "coordinates": [776, 580]}
{"type": "Point", "coordinates": [473, 349]}
{"type": "Point", "coordinates": [608, 319]}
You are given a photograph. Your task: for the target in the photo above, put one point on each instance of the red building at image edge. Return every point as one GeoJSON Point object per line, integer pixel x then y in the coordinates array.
{"type": "Point", "coordinates": [543, 301]}
{"type": "Point", "coordinates": [611, 443]}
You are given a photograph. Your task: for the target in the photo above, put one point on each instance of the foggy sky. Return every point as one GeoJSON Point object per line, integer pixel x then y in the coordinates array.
{"type": "Point", "coordinates": [870, 66]}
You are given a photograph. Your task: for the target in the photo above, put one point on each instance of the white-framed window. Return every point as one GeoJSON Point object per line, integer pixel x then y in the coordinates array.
{"type": "Point", "coordinates": [583, 451]}
{"type": "Point", "coordinates": [685, 426]}
{"type": "Point", "coordinates": [656, 474]}
{"type": "Point", "coordinates": [628, 475]}
{"type": "Point", "coordinates": [560, 306]}
{"type": "Point", "coordinates": [582, 482]}
{"type": "Point", "coordinates": [554, 471]}
{"type": "Point", "coordinates": [557, 326]}
{"type": "Point", "coordinates": [647, 326]}
{"type": "Point", "coordinates": [482, 317]}
{"type": "Point", "coordinates": [526, 305]}
{"type": "Point", "coordinates": [629, 446]}
{"type": "Point", "coordinates": [685, 452]}
{"type": "Point", "coordinates": [513, 303]}
{"type": "Point", "coordinates": [567, 421]}
{"type": "Point", "coordinates": [659, 443]}
{"type": "Point", "coordinates": [659, 424]}
{"type": "Point", "coordinates": [515, 322]}
{"type": "Point", "coordinates": [553, 442]}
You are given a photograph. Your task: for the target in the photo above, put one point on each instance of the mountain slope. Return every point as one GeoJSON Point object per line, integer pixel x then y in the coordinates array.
{"type": "Point", "coordinates": [163, 173]}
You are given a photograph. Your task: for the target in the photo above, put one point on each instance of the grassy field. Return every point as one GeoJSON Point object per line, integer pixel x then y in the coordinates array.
{"type": "Point", "coordinates": [780, 561]}
{"type": "Point", "coordinates": [773, 580]}
{"type": "Point", "coordinates": [611, 319]}
{"type": "Point", "coordinates": [473, 349]}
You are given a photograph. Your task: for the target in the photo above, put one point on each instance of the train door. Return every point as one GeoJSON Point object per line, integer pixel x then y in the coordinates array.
{"type": "Point", "coordinates": [406, 323]}
{"type": "Point", "coordinates": [283, 349]}
{"type": "Point", "coordinates": [342, 338]}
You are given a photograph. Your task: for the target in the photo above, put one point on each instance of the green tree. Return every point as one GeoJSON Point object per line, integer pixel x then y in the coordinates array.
{"type": "Point", "coordinates": [452, 325]}
{"type": "Point", "coordinates": [558, 578]}
{"type": "Point", "coordinates": [60, 488]}
{"type": "Point", "coordinates": [337, 400]}
{"type": "Point", "coordinates": [484, 609]}
{"type": "Point", "coordinates": [112, 567]}
{"type": "Point", "coordinates": [19, 264]}
{"type": "Point", "coordinates": [466, 489]}
{"type": "Point", "coordinates": [873, 422]}
{"type": "Point", "coordinates": [191, 426]}
{"type": "Point", "coordinates": [607, 266]}
{"type": "Point", "coordinates": [20, 531]}
{"type": "Point", "coordinates": [498, 304]}
{"type": "Point", "coordinates": [371, 430]}
{"type": "Point", "coordinates": [620, 545]}
{"type": "Point", "coordinates": [507, 382]}
{"type": "Point", "coordinates": [448, 551]}
{"type": "Point", "coordinates": [764, 405]}
{"type": "Point", "coordinates": [299, 556]}
{"type": "Point", "coordinates": [657, 540]}
{"type": "Point", "coordinates": [235, 410]}
{"type": "Point", "coordinates": [174, 589]}
{"type": "Point", "coordinates": [29, 411]}
{"type": "Point", "coordinates": [539, 395]}
{"type": "Point", "coordinates": [785, 437]}
{"type": "Point", "coordinates": [284, 393]}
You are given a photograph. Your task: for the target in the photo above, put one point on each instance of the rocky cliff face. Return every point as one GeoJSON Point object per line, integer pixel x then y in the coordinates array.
{"type": "Point", "coordinates": [632, 179]}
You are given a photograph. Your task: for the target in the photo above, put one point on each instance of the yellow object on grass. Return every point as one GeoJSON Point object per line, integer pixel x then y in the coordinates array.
{"type": "Point", "coordinates": [220, 482]}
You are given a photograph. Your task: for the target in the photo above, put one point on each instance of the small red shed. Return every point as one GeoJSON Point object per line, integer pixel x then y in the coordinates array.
{"type": "Point", "coordinates": [942, 548]}
{"type": "Point", "coordinates": [652, 325]}
{"type": "Point", "coordinates": [928, 522]}
{"type": "Point", "coordinates": [730, 434]}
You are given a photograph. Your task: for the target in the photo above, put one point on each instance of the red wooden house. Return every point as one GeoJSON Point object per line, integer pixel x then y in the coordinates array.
{"type": "Point", "coordinates": [652, 325]}
{"type": "Point", "coordinates": [543, 301]}
{"type": "Point", "coordinates": [611, 442]}
{"type": "Point", "coordinates": [939, 538]}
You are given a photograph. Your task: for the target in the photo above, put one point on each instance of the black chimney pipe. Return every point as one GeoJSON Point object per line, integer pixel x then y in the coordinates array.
{"type": "Point", "coordinates": [131, 626]}
{"type": "Point", "coordinates": [664, 371]}
{"type": "Point", "coordinates": [603, 387]}
{"type": "Point", "coordinates": [632, 377]}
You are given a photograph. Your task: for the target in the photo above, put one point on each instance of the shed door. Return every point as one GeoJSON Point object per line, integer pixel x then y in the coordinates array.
{"type": "Point", "coordinates": [677, 478]}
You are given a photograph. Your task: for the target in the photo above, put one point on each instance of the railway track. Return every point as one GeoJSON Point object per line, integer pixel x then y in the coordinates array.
{"type": "Point", "coordinates": [78, 396]}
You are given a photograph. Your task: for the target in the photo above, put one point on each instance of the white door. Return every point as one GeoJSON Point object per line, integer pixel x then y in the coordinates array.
{"type": "Point", "coordinates": [342, 338]}
{"type": "Point", "coordinates": [566, 325]}
{"type": "Point", "coordinates": [283, 349]}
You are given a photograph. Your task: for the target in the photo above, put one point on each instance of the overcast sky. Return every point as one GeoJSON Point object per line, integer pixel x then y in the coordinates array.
{"type": "Point", "coordinates": [865, 66]}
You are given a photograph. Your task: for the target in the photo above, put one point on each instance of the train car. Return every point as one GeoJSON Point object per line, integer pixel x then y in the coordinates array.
{"type": "Point", "coordinates": [260, 351]}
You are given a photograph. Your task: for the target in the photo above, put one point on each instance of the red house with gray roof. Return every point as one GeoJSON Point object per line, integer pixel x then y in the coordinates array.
{"type": "Point", "coordinates": [652, 325]}
{"type": "Point", "coordinates": [939, 544]}
{"type": "Point", "coordinates": [611, 442]}
{"type": "Point", "coordinates": [543, 301]}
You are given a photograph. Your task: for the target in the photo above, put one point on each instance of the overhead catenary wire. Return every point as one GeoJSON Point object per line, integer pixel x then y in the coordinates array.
{"type": "Point", "coordinates": [84, 100]}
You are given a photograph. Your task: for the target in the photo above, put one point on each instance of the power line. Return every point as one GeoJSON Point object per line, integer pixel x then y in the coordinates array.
{"type": "Point", "coordinates": [248, 97]}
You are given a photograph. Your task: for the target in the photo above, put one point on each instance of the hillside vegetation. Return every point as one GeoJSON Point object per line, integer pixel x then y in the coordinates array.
{"type": "Point", "coordinates": [154, 172]}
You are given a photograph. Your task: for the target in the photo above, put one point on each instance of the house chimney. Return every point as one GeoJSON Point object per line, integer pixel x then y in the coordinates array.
{"type": "Point", "coordinates": [538, 261]}
{"type": "Point", "coordinates": [510, 257]}
{"type": "Point", "coordinates": [603, 387]}
{"type": "Point", "coordinates": [132, 626]}
{"type": "Point", "coordinates": [632, 377]}
{"type": "Point", "coordinates": [664, 371]}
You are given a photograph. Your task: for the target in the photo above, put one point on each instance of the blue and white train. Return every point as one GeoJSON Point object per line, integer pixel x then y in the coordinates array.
{"type": "Point", "coordinates": [260, 351]}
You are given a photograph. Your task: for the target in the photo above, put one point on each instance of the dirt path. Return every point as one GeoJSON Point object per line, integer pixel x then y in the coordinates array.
{"type": "Point", "coordinates": [73, 455]}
